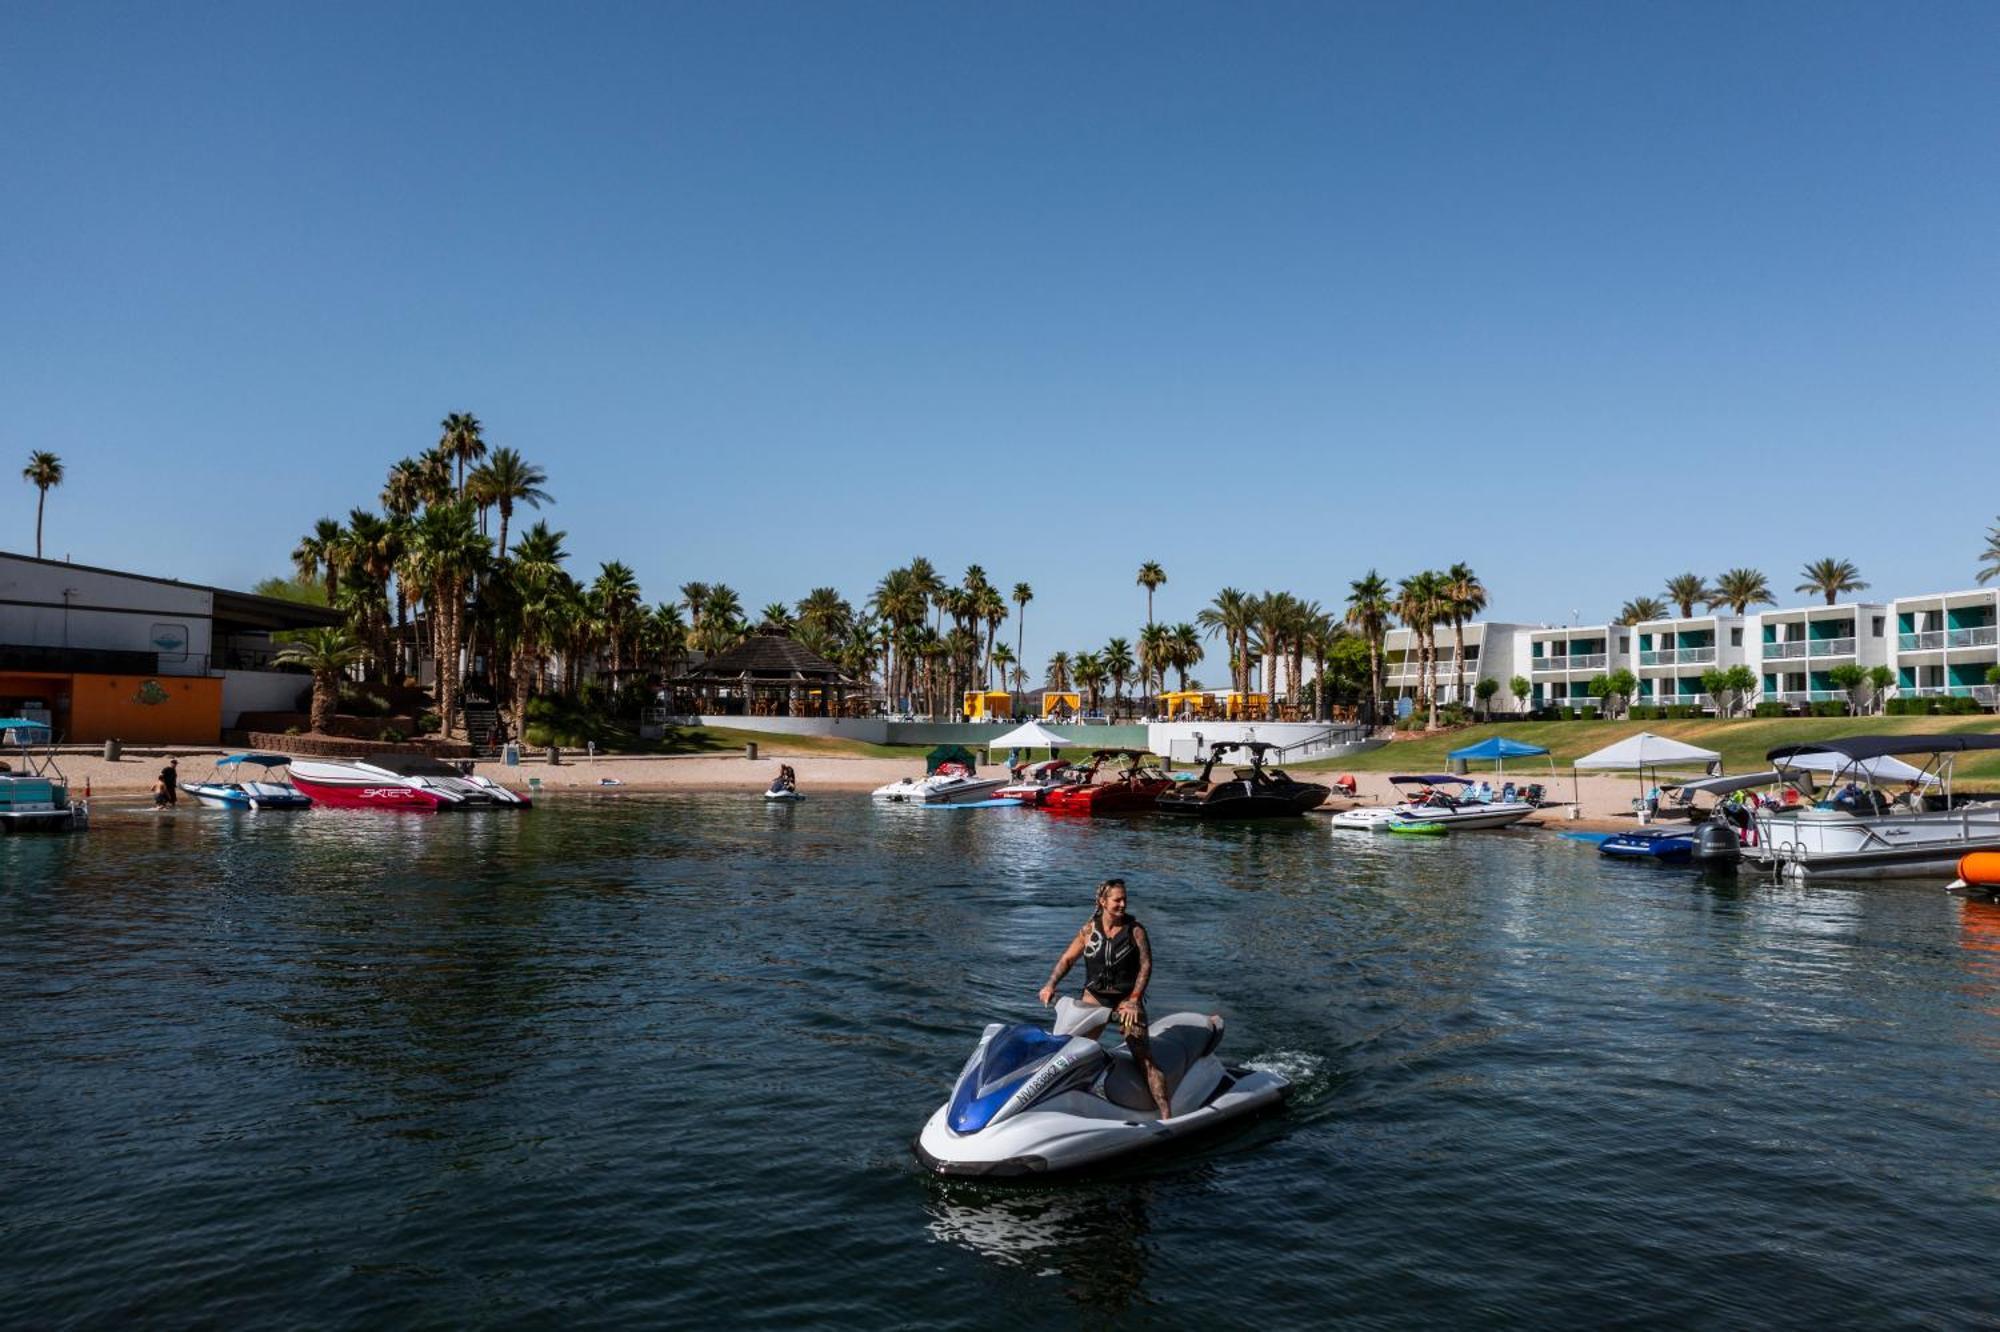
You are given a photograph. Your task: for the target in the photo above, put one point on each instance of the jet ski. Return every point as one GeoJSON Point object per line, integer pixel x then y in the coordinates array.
{"type": "Point", "coordinates": [780, 789]}
{"type": "Point", "coordinates": [1034, 1102]}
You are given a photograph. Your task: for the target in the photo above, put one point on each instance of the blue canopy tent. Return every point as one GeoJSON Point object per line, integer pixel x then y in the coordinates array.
{"type": "Point", "coordinates": [1498, 749]}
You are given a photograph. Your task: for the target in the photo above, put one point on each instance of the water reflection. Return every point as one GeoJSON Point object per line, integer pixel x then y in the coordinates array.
{"type": "Point", "coordinates": [1091, 1237]}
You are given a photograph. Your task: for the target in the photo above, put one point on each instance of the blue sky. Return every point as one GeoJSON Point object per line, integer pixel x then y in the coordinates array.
{"type": "Point", "coordinates": [784, 294]}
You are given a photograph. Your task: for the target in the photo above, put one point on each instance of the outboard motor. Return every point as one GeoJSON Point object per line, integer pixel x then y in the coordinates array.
{"type": "Point", "coordinates": [1716, 845]}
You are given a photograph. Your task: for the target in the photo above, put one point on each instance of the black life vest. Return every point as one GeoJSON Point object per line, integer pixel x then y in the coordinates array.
{"type": "Point", "coordinates": [1111, 965]}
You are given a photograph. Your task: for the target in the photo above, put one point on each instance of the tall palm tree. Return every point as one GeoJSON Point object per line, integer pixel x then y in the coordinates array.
{"type": "Point", "coordinates": [775, 618]}
{"type": "Point", "coordinates": [1155, 655]}
{"type": "Point", "coordinates": [1740, 589]}
{"type": "Point", "coordinates": [1464, 598]}
{"type": "Point", "coordinates": [1003, 657]}
{"type": "Point", "coordinates": [504, 480]}
{"type": "Point", "coordinates": [403, 492]}
{"type": "Point", "coordinates": [447, 552]}
{"type": "Point", "coordinates": [1273, 622]}
{"type": "Point", "coordinates": [1088, 668]}
{"type": "Point", "coordinates": [459, 439]}
{"type": "Point", "coordinates": [1228, 617]}
{"type": "Point", "coordinates": [1369, 608]}
{"type": "Point", "coordinates": [1641, 609]}
{"type": "Point", "coordinates": [329, 654]}
{"type": "Point", "coordinates": [1302, 616]}
{"type": "Point", "coordinates": [1830, 577]}
{"type": "Point", "coordinates": [44, 470]}
{"type": "Point", "coordinates": [988, 605]}
{"type": "Point", "coordinates": [722, 619]}
{"type": "Point", "coordinates": [1320, 632]}
{"type": "Point", "coordinates": [1684, 590]}
{"type": "Point", "coordinates": [823, 610]}
{"type": "Point", "coordinates": [1118, 664]}
{"type": "Point", "coordinates": [1023, 594]}
{"type": "Point", "coordinates": [1989, 567]}
{"type": "Point", "coordinates": [539, 579]}
{"type": "Point", "coordinates": [317, 556]}
{"type": "Point", "coordinates": [615, 598]}
{"type": "Point", "coordinates": [1056, 677]}
{"type": "Point", "coordinates": [1420, 604]}
{"type": "Point", "coordinates": [1151, 577]}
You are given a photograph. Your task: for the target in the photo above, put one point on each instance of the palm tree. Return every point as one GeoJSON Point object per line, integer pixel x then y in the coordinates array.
{"type": "Point", "coordinates": [1187, 651]}
{"type": "Point", "coordinates": [1989, 568]}
{"type": "Point", "coordinates": [539, 580]}
{"type": "Point", "coordinates": [447, 552]}
{"type": "Point", "coordinates": [1830, 578]}
{"type": "Point", "coordinates": [1740, 589]}
{"type": "Point", "coordinates": [1089, 670]}
{"type": "Point", "coordinates": [1003, 657]}
{"type": "Point", "coordinates": [775, 618]}
{"type": "Point", "coordinates": [1118, 664]}
{"type": "Point", "coordinates": [504, 480]}
{"type": "Point", "coordinates": [403, 492]}
{"type": "Point", "coordinates": [1023, 594]}
{"type": "Point", "coordinates": [1056, 678]}
{"type": "Point", "coordinates": [43, 471]}
{"type": "Point", "coordinates": [329, 654]}
{"type": "Point", "coordinates": [1641, 609]}
{"type": "Point", "coordinates": [1273, 621]}
{"type": "Point", "coordinates": [1228, 617]}
{"type": "Point", "coordinates": [1369, 607]}
{"type": "Point", "coordinates": [1321, 632]}
{"type": "Point", "coordinates": [1155, 645]}
{"type": "Point", "coordinates": [1684, 590]}
{"type": "Point", "coordinates": [1419, 603]}
{"type": "Point", "coordinates": [318, 555]}
{"type": "Point", "coordinates": [1151, 576]}
{"type": "Point", "coordinates": [460, 441]}
{"type": "Point", "coordinates": [824, 611]}
{"type": "Point", "coordinates": [988, 605]}
{"type": "Point", "coordinates": [1464, 597]}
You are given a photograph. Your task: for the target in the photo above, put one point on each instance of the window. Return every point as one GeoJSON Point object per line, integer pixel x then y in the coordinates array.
{"type": "Point", "coordinates": [1736, 637]}
{"type": "Point", "coordinates": [1876, 626]}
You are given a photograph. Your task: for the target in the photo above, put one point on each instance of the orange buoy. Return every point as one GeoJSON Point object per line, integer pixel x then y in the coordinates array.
{"type": "Point", "coordinates": [1980, 867]}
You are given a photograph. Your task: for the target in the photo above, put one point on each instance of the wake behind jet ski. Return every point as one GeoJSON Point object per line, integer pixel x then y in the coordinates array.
{"type": "Point", "coordinates": [1033, 1102]}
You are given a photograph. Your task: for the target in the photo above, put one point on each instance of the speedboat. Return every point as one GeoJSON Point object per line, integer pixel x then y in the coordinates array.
{"type": "Point", "coordinates": [949, 784]}
{"type": "Point", "coordinates": [1134, 788]}
{"type": "Point", "coordinates": [400, 781]}
{"type": "Point", "coordinates": [226, 787]}
{"type": "Point", "coordinates": [1255, 792]}
{"type": "Point", "coordinates": [1861, 834]}
{"type": "Point", "coordinates": [1038, 780]}
{"type": "Point", "coordinates": [1366, 818]}
{"type": "Point", "coordinates": [1034, 1102]}
{"type": "Point", "coordinates": [1428, 797]}
{"type": "Point", "coordinates": [34, 794]}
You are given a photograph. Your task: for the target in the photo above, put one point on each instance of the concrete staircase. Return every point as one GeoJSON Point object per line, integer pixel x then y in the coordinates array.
{"type": "Point", "coordinates": [481, 724]}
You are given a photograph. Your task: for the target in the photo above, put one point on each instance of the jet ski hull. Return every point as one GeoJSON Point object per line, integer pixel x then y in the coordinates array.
{"type": "Point", "coordinates": [1076, 1131]}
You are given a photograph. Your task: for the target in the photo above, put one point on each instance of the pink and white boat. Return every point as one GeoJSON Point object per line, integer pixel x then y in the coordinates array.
{"type": "Point", "coordinates": [400, 781]}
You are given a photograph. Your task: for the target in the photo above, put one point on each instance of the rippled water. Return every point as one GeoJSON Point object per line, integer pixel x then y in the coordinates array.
{"type": "Point", "coordinates": [652, 1060]}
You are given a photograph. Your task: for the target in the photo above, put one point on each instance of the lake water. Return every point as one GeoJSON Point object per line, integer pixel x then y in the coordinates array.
{"type": "Point", "coordinates": [641, 1060]}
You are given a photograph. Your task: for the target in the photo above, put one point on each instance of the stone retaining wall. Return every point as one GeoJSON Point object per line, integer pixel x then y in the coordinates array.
{"type": "Point", "coordinates": [331, 746]}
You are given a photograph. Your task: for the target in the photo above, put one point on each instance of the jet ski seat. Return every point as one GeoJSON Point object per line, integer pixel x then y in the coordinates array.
{"type": "Point", "coordinates": [1178, 1041]}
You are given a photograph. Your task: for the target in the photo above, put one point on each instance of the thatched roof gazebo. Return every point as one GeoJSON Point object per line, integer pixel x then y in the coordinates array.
{"type": "Point", "coordinates": [769, 675]}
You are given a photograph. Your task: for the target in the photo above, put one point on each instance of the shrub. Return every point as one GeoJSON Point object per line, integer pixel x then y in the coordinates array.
{"type": "Point", "coordinates": [1768, 710]}
{"type": "Point", "coordinates": [389, 735]}
{"type": "Point", "coordinates": [429, 724]}
{"type": "Point", "coordinates": [291, 730]}
{"type": "Point", "coordinates": [1828, 707]}
{"type": "Point", "coordinates": [1643, 712]}
{"type": "Point", "coordinates": [357, 702]}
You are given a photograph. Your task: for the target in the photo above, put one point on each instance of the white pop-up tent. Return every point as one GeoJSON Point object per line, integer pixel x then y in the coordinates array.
{"type": "Point", "coordinates": [1030, 735]}
{"type": "Point", "coordinates": [1646, 752]}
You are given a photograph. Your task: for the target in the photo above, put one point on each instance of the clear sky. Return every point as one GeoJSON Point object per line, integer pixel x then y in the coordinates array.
{"type": "Point", "coordinates": [785, 294]}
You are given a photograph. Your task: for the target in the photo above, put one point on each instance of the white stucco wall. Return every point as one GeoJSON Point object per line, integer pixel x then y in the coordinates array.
{"type": "Point", "coordinates": [60, 605]}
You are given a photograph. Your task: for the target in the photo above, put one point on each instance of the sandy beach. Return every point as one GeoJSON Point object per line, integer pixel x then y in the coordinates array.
{"type": "Point", "coordinates": [1604, 802]}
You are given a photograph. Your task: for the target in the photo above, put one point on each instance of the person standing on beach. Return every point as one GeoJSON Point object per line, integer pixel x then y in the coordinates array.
{"type": "Point", "coordinates": [170, 783]}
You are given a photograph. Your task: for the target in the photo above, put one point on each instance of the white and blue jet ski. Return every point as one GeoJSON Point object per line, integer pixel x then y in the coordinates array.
{"type": "Point", "coordinates": [1033, 1102]}
{"type": "Point", "coordinates": [779, 790]}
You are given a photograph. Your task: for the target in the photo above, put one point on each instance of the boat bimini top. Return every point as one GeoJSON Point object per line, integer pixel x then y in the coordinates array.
{"type": "Point", "coordinates": [1868, 757]}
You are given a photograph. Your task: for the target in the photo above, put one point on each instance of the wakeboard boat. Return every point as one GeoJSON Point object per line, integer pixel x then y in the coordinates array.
{"type": "Point", "coordinates": [1038, 780]}
{"type": "Point", "coordinates": [229, 787]}
{"type": "Point", "coordinates": [1034, 1102]}
{"type": "Point", "coordinates": [34, 794]}
{"type": "Point", "coordinates": [1440, 797]}
{"type": "Point", "coordinates": [1255, 792]}
{"type": "Point", "coordinates": [1135, 787]}
{"type": "Point", "coordinates": [400, 781]}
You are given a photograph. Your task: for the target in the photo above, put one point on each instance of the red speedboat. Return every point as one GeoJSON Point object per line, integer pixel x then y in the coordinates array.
{"type": "Point", "coordinates": [415, 782]}
{"type": "Point", "coordinates": [1037, 780]}
{"type": "Point", "coordinates": [1134, 787]}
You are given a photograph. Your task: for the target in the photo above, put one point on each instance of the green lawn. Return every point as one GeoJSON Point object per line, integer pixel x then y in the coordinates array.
{"type": "Point", "coordinates": [1742, 743]}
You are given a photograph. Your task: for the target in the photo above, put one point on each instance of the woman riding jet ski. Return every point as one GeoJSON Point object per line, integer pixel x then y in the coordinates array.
{"type": "Point", "coordinates": [1032, 1102]}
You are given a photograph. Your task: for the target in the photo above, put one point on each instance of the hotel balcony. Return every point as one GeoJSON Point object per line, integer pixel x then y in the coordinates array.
{"type": "Point", "coordinates": [1933, 640]}
{"type": "Point", "coordinates": [1832, 647]}
{"type": "Point", "coordinates": [1673, 701]}
{"type": "Point", "coordinates": [1677, 656]}
{"type": "Point", "coordinates": [1803, 696]}
{"type": "Point", "coordinates": [1782, 651]}
{"type": "Point", "coordinates": [1589, 661]}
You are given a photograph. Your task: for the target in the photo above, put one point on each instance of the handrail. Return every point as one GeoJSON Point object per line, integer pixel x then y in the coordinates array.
{"type": "Point", "coordinates": [1350, 733]}
{"type": "Point", "coordinates": [1774, 651]}
{"type": "Point", "coordinates": [1833, 647]}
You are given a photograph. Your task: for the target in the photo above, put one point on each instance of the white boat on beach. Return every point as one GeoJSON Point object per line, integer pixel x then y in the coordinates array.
{"type": "Point", "coordinates": [1432, 801]}
{"type": "Point", "coordinates": [949, 785]}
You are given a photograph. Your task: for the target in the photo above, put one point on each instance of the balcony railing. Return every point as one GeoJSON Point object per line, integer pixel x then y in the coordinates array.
{"type": "Point", "coordinates": [1696, 654]}
{"type": "Point", "coordinates": [1661, 657]}
{"type": "Point", "coordinates": [1983, 636]}
{"type": "Point", "coordinates": [1674, 701]}
{"type": "Point", "coordinates": [1780, 651]}
{"type": "Point", "coordinates": [1986, 694]}
{"type": "Point", "coordinates": [1928, 641]}
{"type": "Point", "coordinates": [1588, 661]}
{"type": "Point", "coordinates": [1807, 696]}
{"type": "Point", "coordinates": [1833, 647]}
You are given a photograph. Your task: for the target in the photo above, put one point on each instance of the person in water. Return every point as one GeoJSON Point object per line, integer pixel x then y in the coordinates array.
{"type": "Point", "coordinates": [1117, 963]}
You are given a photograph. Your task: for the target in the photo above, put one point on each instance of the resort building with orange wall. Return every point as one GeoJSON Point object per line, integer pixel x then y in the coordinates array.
{"type": "Point", "coordinates": [104, 655]}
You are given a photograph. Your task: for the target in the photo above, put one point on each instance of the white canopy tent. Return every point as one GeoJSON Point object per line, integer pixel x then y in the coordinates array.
{"type": "Point", "coordinates": [1646, 750]}
{"type": "Point", "coordinates": [1031, 735]}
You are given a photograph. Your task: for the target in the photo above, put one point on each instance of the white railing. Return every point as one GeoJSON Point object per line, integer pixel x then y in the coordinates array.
{"type": "Point", "coordinates": [1986, 694]}
{"type": "Point", "coordinates": [1927, 641]}
{"type": "Point", "coordinates": [1659, 657]}
{"type": "Point", "coordinates": [1980, 637]}
{"type": "Point", "coordinates": [1696, 654]}
{"type": "Point", "coordinates": [1779, 651]}
{"type": "Point", "coordinates": [1833, 647]}
{"type": "Point", "coordinates": [1808, 696]}
{"type": "Point", "coordinates": [1587, 661]}
{"type": "Point", "coordinates": [1675, 701]}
